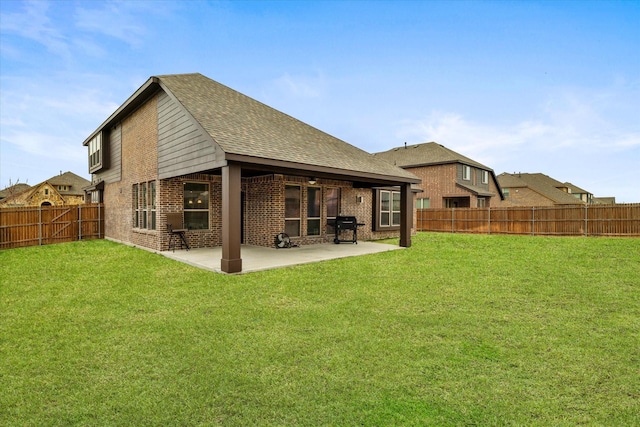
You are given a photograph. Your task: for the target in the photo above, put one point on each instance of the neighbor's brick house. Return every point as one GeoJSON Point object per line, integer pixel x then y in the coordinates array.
{"type": "Point", "coordinates": [538, 189]}
{"type": "Point", "coordinates": [237, 170]}
{"type": "Point", "coordinates": [449, 179]}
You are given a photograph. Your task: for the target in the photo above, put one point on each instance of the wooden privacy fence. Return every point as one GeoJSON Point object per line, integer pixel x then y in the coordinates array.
{"type": "Point", "coordinates": [44, 225]}
{"type": "Point", "coordinates": [581, 220]}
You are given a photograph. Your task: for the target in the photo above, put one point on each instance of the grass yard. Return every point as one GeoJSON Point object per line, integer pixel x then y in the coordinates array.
{"type": "Point", "coordinates": [457, 330]}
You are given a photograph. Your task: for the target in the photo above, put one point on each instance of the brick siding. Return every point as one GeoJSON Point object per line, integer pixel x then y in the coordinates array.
{"type": "Point", "coordinates": [264, 197]}
{"type": "Point", "coordinates": [439, 182]}
{"type": "Point", "coordinates": [139, 164]}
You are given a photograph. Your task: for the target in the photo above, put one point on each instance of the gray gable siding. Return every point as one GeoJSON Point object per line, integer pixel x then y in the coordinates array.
{"type": "Point", "coordinates": [479, 183]}
{"type": "Point", "coordinates": [459, 173]}
{"type": "Point", "coordinates": [113, 147]}
{"type": "Point", "coordinates": [183, 147]}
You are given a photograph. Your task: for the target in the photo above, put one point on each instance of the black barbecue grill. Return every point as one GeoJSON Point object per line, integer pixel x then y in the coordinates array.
{"type": "Point", "coordinates": [342, 223]}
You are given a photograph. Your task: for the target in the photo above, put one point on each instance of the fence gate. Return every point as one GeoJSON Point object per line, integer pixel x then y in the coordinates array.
{"type": "Point", "coordinates": [60, 224]}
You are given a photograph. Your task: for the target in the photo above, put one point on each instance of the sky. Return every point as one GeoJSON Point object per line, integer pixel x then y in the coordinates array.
{"type": "Point", "coordinates": [547, 87]}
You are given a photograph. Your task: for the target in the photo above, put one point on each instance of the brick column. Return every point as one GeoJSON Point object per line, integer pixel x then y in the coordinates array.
{"type": "Point", "coordinates": [231, 191]}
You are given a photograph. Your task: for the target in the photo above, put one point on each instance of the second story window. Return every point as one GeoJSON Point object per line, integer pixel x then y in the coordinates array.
{"type": "Point", "coordinates": [485, 177]}
{"type": "Point", "coordinates": [466, 173]}
{"type": "Point", "coordinates": [95, 153]}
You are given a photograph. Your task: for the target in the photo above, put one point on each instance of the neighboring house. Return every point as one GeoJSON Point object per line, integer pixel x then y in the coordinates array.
{"type": "Point", "coordinates": [604, 200]}
{"type": "Point", "coordinates": [64, 189]}
{"type": "Point", "coordinates": [449, 179]}
{"type": "Point", "coordinates": [237, 170]}
{"type": "Point", "coordinates": [578, 193]}
{"type": "Point", "coordinates": [13, 190]}
{"type": "Point", "coordinates": [537, 189]}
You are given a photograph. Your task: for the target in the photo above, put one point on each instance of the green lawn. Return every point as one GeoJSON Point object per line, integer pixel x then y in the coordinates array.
{"type": "Point", "coordinates": [457, 330]}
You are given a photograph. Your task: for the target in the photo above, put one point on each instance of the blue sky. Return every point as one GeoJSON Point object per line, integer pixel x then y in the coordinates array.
{"type": "Point", "coordinates": [531, 86]}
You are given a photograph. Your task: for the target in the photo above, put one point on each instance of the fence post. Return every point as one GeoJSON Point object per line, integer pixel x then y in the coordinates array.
{"type": "Point", "coordinates": [453, 230]}
{"type": "Point", "coordinates": [79, 222]}
{"type": "Point", "coordinates": [99, 221]}
{"type": "Point", "coordinates": [533, 220]}
{"type": "Point", "coordinates": [489, 219]}
{"type": "Point", "coordinates": [40, 225]}
{"type": "Point", "coordinates": [586, 220]}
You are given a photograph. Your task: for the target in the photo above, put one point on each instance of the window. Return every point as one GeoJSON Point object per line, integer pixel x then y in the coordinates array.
{"type": "Point", "coordinates": [332, 201]}
{"type": "Point", "coordinates": [292, 210]}
{"type": "Point", "coordinates": [152, 205]}
{"type": "Point", "coordinates": [505, 192]}
{"type": "Point", "coordinates": [485, 177]}
{"type": "Point", "coordinates": [481, 202]}
{"type": "Point", "coordinates": [395, 208]}
{"type": "Point", "coordinates": [423, 203]}
{"type": "Point", "coordinates": [63, 187]}
{"type": "Point", "coordinates": [466, 173]}
{"type": "Point", "coordinates": [95, 153]}
{"type": "Point", "coordinates": [196, 206]}
{"type": "Point", "coordinates": [135, 205]}
{"type": "Point", "coordinates": [457, 202]}
{"type": "Point", "coordinates": [143, 204]}
{"type": "Point", "coordinates": [46, 191]}
{"type": "Point", "coordinates": [389, 208]}
{"type": "Point", "coordinates": [313, 211]}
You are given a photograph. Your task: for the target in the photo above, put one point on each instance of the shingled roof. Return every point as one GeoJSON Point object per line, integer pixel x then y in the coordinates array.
{"type": "Point", "coordinates": [540, 183]}
{"type": "Point", "coordinates": [247, 130]}
{"type": "Point", "coordinates": [428, 153]}
{"type": "Point", "coordinates": [13, 190]}
{"type": "Point", "coordinates": [243, 126]}
{"type": "Point", "coordinates": [74, 183]}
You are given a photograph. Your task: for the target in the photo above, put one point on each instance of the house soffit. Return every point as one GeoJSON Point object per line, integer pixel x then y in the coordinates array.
{"type": "Point", "coordinates": [250, 163]}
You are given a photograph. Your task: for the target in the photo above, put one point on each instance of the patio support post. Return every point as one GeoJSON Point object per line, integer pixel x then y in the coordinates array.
{"type": "Point", "coordinates": [406, 215]}
{"type": "Point", "coordinates": [231, 191]}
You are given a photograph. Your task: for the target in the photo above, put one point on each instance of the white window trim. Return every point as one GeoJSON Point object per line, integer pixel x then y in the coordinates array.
{"type": "Point", "coordinates": [391, 212]}
{"type": "Point", "coordinates": [466, 173]}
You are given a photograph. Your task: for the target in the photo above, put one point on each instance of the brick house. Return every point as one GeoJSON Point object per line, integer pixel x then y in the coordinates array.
{"type": "Point", "coordinates": [64, 189]}
{"type": "Point", "coordinates": [238, 171]}
{"type": "Point", "coordinates": [449, 179]}
{"type": "Point", "coordinates": [537, 189]}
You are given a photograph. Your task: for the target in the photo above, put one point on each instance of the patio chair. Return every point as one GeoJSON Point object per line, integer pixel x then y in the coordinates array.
{"type": "Point", "coordinates": [174, 227]}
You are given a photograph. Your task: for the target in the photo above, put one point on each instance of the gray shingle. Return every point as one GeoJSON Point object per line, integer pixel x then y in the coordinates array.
{"type": "Point", "coordinates": [243, 126]}
{"type": "Point", "coordinates": [428, 153]}
{"type": "Point", "coordinates": [540, 183]}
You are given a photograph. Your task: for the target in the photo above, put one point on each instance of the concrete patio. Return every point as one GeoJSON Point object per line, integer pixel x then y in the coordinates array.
{"type": "Point", "coordinates": [258, 258]}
